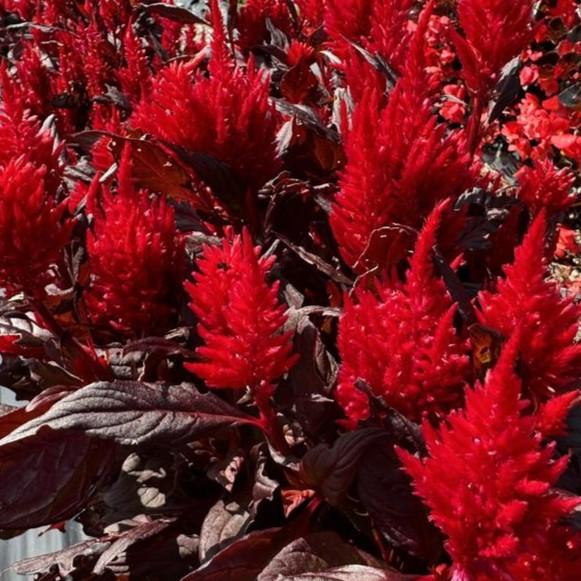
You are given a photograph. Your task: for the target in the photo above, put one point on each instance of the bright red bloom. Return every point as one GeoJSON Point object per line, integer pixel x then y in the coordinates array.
{"type": "Point", "coordinates": [380, 26]}
{"type": "Point", "coordinates": [240, 317]}
{"type": "Point", "coordinates": [29, 209]}
{"type": "Point", "coordinates": [550, 358]}
{"type": "Point", "coordinates": [402, 343]}
{"type": "Point", "coordinates": [311, 12]}
{"type": "Point", "coordinates": [496, 31]}
{"type": "Point", "coordinates": [251, 21]}
{"type": "Point", "coordinates": [545, 186]}
{"type": "Point", "coordinates": [400, 161]}
{"type": "Point", "coordinates": [22, 134]}
{"type": "Point", "coordinates": [227, 115]}
{"type": "Point", "coordinates": [135, 261]}
{"type": "Point", "coordinates": [488, 481]}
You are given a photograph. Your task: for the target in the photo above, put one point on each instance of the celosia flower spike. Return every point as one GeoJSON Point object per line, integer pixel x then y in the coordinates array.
{"type": "Point", "coordinates": [241, 320]}
{"type": "Point", "coordinates": [488, 482]}
{"type": "Point", "coordinates": [551, 360]}
{"type": "Point", "coordinates": [545, 186]}
{"type": "Point", "coordinates": [135, 260]}
{"type": "Point", "coordinates": [402, 342]}
{"type": "Point", "coordinates": [400, 161]}
{"type": "Point", "coordinates": [496, 31]}
{"type": "Point", "coordinates": [29, 208]}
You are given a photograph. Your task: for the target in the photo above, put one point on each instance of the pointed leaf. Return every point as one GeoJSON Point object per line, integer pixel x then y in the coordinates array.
{"type": "Point", "coordinates": [133, 413]}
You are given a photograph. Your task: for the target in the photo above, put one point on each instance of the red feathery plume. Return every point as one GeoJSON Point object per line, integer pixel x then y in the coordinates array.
{"type": "Point", "coordinates": [380, 26]}
{"type": "Point", "coordinates": [240, 317]}
{"type": "Point", "coordinates": [252, 17]}
{"type": "Point", "coordinates": [400, 160]}
{"type": "Point", "coordinates": [350, 19]}
{"type": "Point", "coordinates": [545, 186]}
{"type": "Point", "coordinates": [29, 209]}
{"type": "Point", "coordinates": [488, 481]}
{"type": "Point", "coordinates": [135, 76]}
{"type": "Point", "coordinates": [551, 361]}
{"type": "Point", "coordinates": [22, 134]}
{"type": "Point", "coordinates": [402, 343]}
{"type": "Point", "coordinates": [496, 31]}
{"type": "Point", "coordinates": [135, 260]}
{"type": "Point", "coordinates": [311, 12]}
{"type": "Point", "coordinates": [227, 115]}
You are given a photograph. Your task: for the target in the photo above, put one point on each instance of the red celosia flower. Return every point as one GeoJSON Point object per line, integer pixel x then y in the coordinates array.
{"type": "Point", "coordinates": [135, 76]}
{"type": "Point", "coordinates": [402, 343]}
{"type": "Point", "coordinates": [496, 31]}
{"type": "Point", "coordinates": [135, 261]}
{"type": "Point", "coordinates": [550, 359]}
{"type": "Point", "coordinates": [240, 317]}
{"type": "Point", "coordinates": [311, 12]}
{"type": "Point", "coordinates": [349, 19]}
{"type": "Point", "coordinates": [227, 115]}
{"type": "Point", "coordinates": [545, 186]}
{"type": "Point", "coordinates": [29, 209]}
{"type": "Point", "coordinates": [380, 26]}
{"type": "Point", "coordinates": [251, 21]}
{"type": "Point", "coordinates": [400, 161]}
{"type": "Point", "coordinates": [488, 481]}
{"type": "Point", "coordinates": [22, 134]}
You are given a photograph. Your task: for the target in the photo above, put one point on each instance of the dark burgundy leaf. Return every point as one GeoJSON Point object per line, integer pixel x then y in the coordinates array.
{"type": "Point", "coordinates": [64, 558]}
{"type": "Point", "coordinates": [48, 476]}
{"type": "Point", "coordinates": [307, 390]}
{"type": "Point", "coordinates": [351, 573]}
{"type": "Point", "coordinates": [386, 247]}
{"type": "Point", "coordinates": [148, 484]}
{"type": "Point", "coordinates": [332, 470]}
{"type": "Point", "coordinates": [317, 262]}
{"type": "Point", "coordinates": [175, 13]}
{"type": "Point", "coordinates": [218, 175]}
{"type": "Point", "coordinates": [245, 558]}
{"type": "Point", "coordinates": [226, 470]}
{"type": "Point", "coordinates": [263, 487]}
{"type": "Point", "coordinates": [507, 90]}
{"type": "Point", "coordinates": [133, 413]}
{"type": "Point", "coordinates": [311, 554]}
{"type": "Point", "coordinates": [308, 118]}
{"type": "Point", "coordinates": [385, 491]}
{"type": "Point", "coordinates": [155, 167]}
{"type": "Point", "coordinates": [146, 549]}
{"type": "Point", "coordinates": [134, 535]}
{"type": "Point", "coordinates": [224, 522]}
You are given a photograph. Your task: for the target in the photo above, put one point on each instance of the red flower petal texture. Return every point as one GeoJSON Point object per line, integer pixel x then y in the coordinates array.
{"type": "Point", "coordinates": [135, 261]}
{"type": "Point", "coordinates": [400, 161]}
{"type": "Point", "coordinates": [240, 317]}
{"type": "Point", "coordinates": [496, 31]}
{"type": "Point", "coordinates": [227, 115]}
{"type": "Point", "coordinates": [402, 343]}
{"type": "Point", "coordinates": [29, 209]}
{"type": "Point", "coordinates": [550, 358]}
{"type": "Point", "coordinates": [545, 186]}
{"type": "Point", "coordinates": [488, 481]}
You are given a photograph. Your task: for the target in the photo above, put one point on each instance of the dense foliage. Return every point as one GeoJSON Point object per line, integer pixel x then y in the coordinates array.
{"type": "Point", "coordinates": [289, 288]}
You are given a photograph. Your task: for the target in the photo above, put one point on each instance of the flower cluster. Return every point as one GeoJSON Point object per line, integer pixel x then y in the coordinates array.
{"type": "Point", "coordinates": [488, 480]}
{"type": "Point", "coordinates": [252, 251]}
{"type": "Point", "coordinates": [550, 358]}
{"type": "Point", "coordinates": [402, 343]}
{"type": "Point", "coordinates": [135, 259]}
{"type": "Point", "coordinates": [241, 320]}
